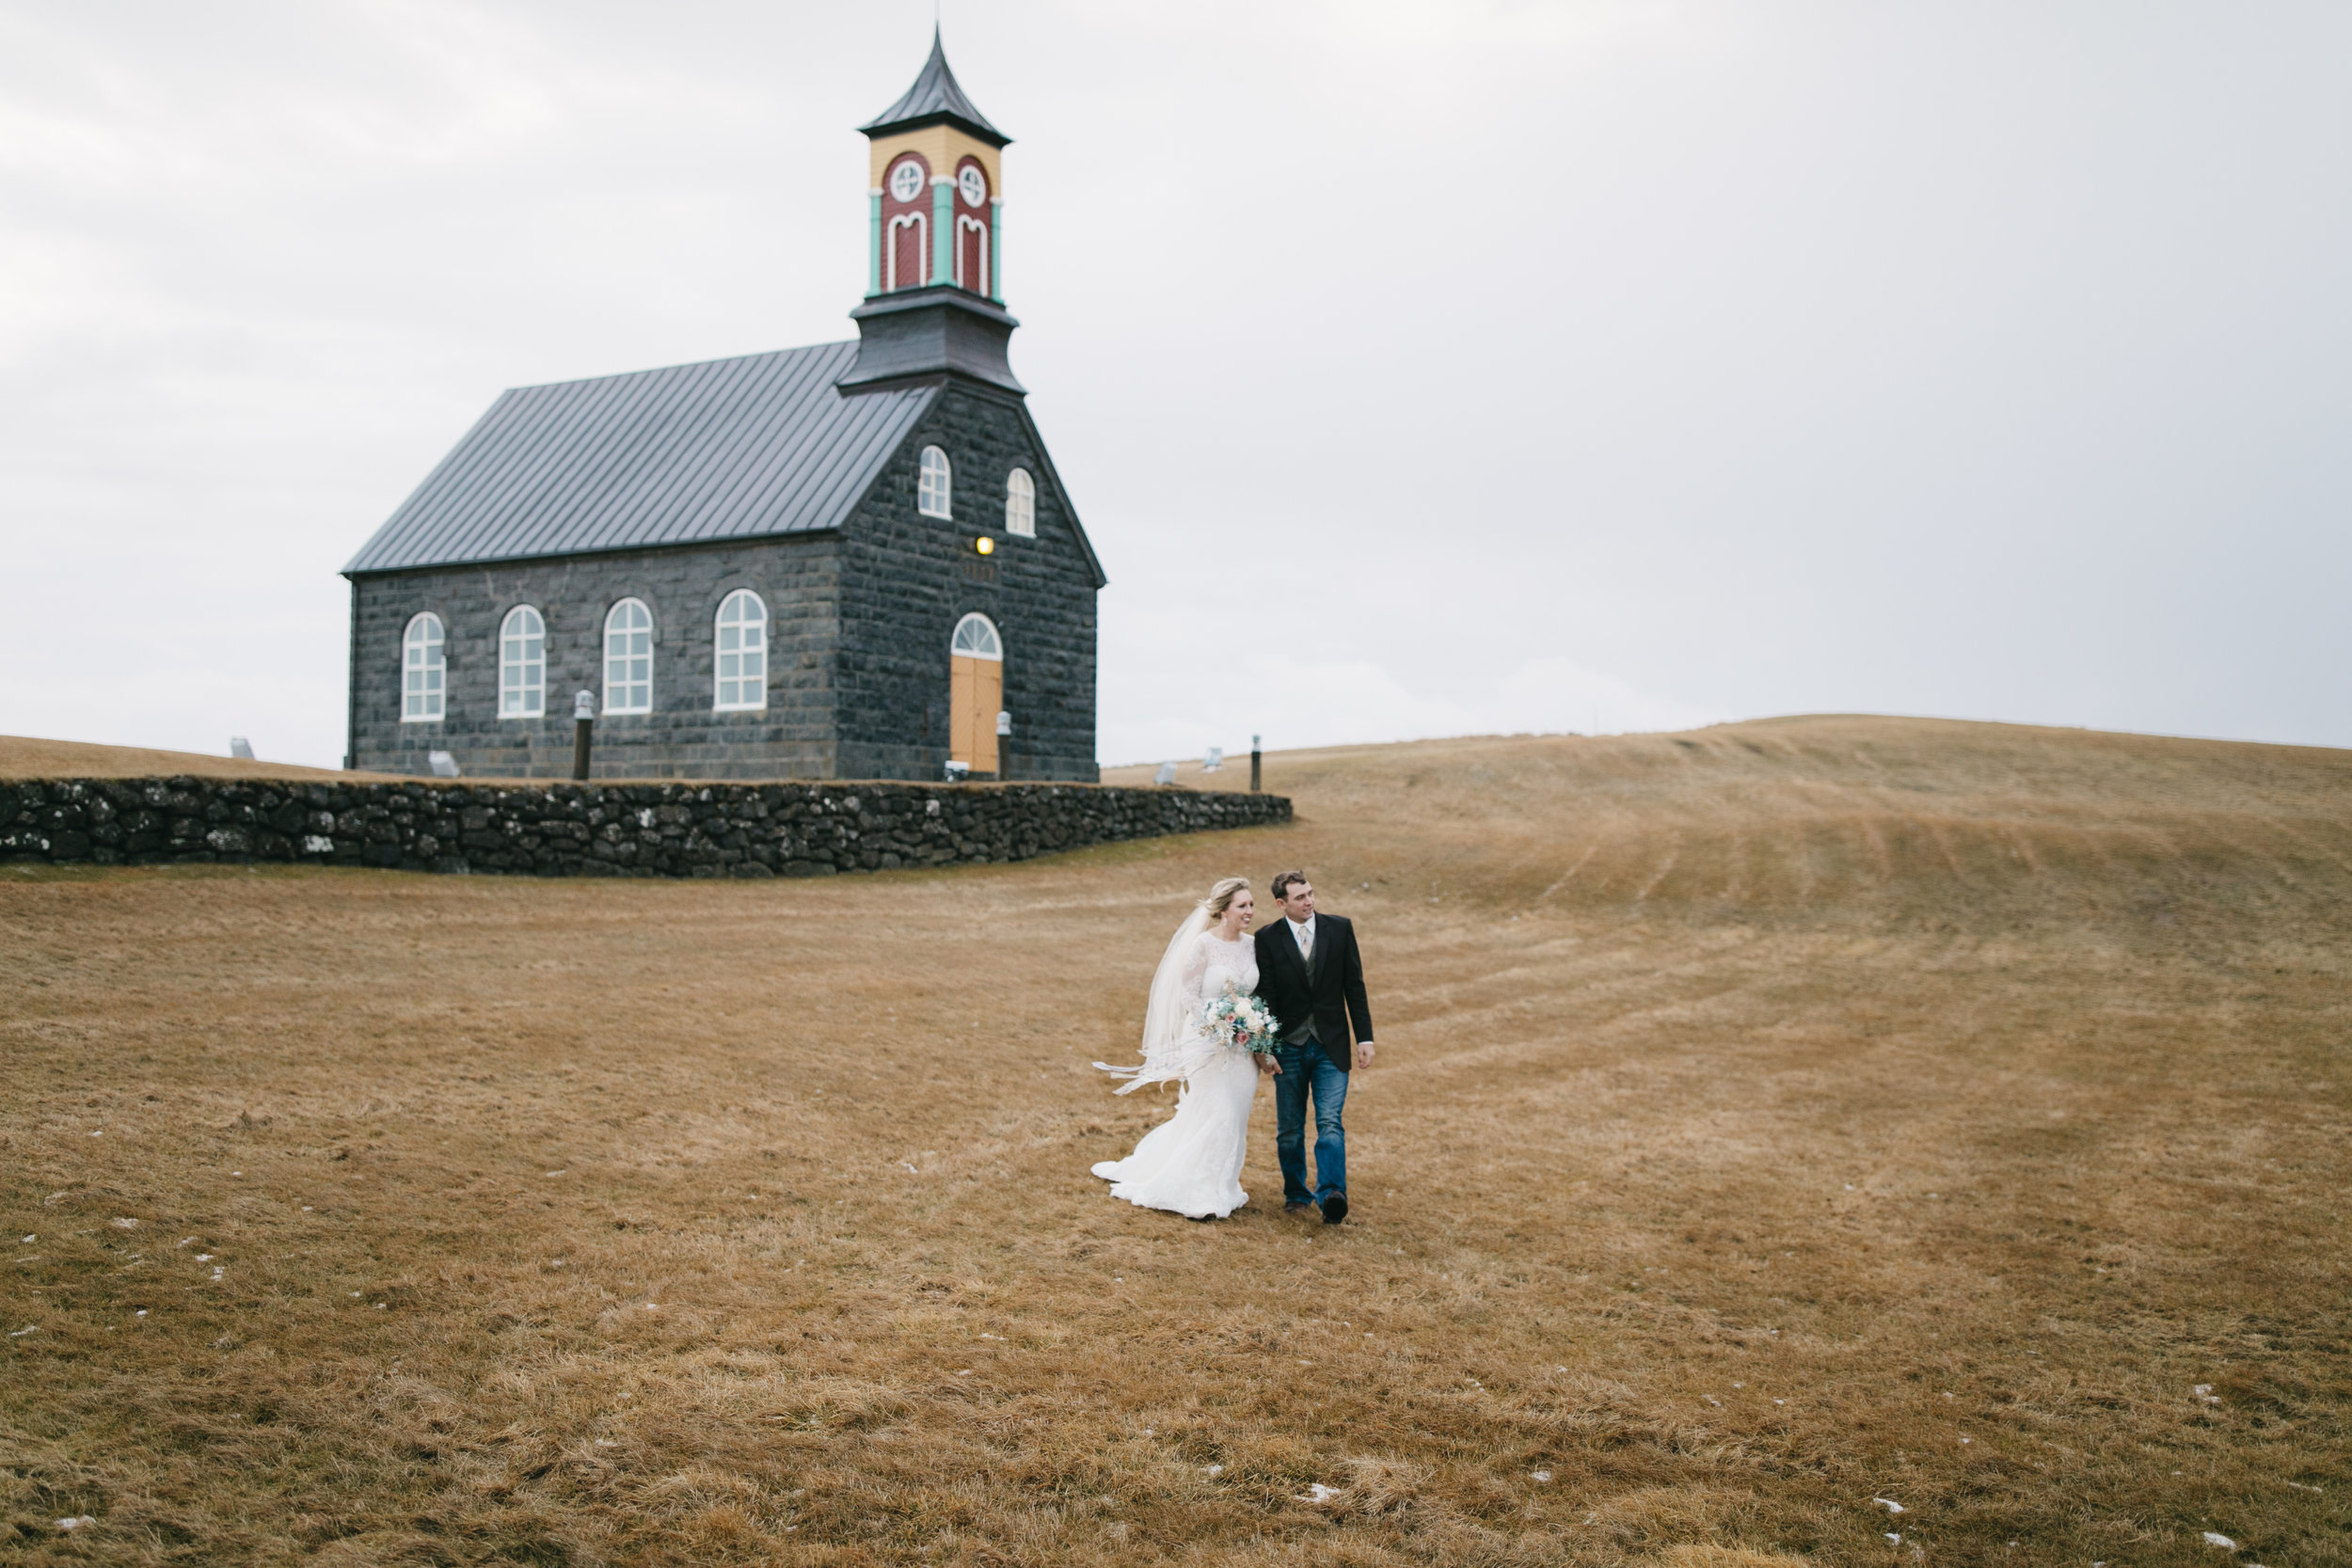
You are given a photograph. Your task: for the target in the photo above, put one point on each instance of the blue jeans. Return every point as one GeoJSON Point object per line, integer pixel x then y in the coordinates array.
{"type": "Point", "coordinates": [1305, 1068]}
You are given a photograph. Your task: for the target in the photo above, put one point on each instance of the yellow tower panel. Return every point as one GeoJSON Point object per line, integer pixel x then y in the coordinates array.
{"type": "Point", "coordinates": [942, 147]}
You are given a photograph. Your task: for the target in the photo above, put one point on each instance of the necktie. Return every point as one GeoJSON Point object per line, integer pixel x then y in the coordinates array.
{"type": "Point", "coordinates": [1306, 943]}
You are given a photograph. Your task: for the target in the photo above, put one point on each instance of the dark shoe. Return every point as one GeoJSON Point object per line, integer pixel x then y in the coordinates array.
{"type": "Point", "coordinates": [1201, 1219]}
{"type": "Point", "coordinates": [1297, 1207]}
{"type": "Point", "coordinates": [1335, 1209]}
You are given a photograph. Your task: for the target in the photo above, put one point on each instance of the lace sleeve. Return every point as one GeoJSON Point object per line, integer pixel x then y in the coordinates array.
{"type": "Point", "coordinates": [1195, 970]}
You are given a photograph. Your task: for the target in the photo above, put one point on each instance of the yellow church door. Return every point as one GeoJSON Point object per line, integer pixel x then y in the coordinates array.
{"type": "Point", "coordinates": [975, 661]}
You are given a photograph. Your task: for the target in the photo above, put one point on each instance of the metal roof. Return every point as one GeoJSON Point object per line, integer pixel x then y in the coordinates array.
{"type": "Point", "coordinates": [935, 96]}
{"type": "Point", "coordinates": [727, 449]}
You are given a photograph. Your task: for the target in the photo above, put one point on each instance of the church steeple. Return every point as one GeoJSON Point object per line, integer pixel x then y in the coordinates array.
{"type": "Point", "coordinates": [935, 271]}
{"type": "Point", "coordinates": [937, 189]}
{"type": "Point", "coordinates": [936, 99]}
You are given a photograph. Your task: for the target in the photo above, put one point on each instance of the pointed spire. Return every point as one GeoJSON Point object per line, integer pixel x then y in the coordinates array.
{"type": "Point", "coordinates": [936, 99]}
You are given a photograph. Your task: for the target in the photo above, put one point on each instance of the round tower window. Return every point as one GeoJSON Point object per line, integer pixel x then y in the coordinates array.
{"type": "Point", "coordinates": [906, 180]}
{"type": "Point", "coordinates": [973, 185]}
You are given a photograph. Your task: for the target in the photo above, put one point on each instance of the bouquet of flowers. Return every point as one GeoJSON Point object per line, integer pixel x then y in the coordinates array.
{"type": "Point", "coordinates": [1241, 1022]}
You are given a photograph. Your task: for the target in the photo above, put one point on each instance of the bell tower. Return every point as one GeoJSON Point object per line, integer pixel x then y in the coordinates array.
{"type": "Point", "coordinates": [934, 285]}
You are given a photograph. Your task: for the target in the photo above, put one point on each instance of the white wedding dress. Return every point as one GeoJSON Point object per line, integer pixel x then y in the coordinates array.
{"type": "Point", "coordinates": [1191, 1162]}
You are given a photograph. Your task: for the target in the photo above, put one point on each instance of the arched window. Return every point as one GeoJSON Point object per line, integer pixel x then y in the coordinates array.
{"type": "Point", "coordinates": [742, 669]}
{"type": "Point", "coordinates": [522, 664]}
{"type": "Point", "coordinates": [971, 254]}
{"type": "Point", "coordinates": [423, 675]}
{"type": "Point", "coordinates": [629, 659]}
{"type": "Point", "coordinates": [1021, 504]}
{"type": "Point", "coordinates": [976, 637]}
{"type": "Point", "coordinates": [975, 692]}
{"type": "Point", "coordinates": [930, 489]}
{"type": "Point", "coordinates": [909, 258]}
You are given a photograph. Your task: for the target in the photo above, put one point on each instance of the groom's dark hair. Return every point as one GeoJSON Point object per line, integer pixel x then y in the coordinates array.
{"type": "Point", "coordinates": [1283, 881]}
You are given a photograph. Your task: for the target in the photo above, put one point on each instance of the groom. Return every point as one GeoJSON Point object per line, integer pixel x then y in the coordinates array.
{"type": "Point", "coordinates": [1313, 979]}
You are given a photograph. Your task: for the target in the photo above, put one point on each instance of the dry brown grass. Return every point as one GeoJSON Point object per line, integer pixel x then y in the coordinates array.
{"type": "Point", "coordinates": [1772, 1118]}
{"type": "Point", "coordinates": [22, 757]}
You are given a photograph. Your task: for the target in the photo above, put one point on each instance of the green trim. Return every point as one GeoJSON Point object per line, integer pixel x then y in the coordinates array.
{"type": "Point", "coordinates": [873, 244]}
{"type": "Point", "coordinates": [942, 230]}
{"type": "Point", "coordinates": [997, 250]}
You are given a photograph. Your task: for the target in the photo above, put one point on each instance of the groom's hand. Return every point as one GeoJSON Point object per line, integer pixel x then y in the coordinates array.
{"type": "Point", "coordinates": [1267, 1065]}
{"type": "Point", "coordinates": [1364, 1053]}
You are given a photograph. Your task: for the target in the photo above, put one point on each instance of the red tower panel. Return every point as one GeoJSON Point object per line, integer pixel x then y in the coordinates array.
{"type": "Point", "coordinates": [972, 223]}
{"type": "Point", "coordinates": [906, 222]}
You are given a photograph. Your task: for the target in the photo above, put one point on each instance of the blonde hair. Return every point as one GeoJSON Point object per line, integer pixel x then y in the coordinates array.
{"type": "Point", "coordinates": [1221, 896]}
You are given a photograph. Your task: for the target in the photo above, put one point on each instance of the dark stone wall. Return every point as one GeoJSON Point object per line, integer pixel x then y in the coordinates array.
{"type": "Point", "coordinates": [589, 830]}
{"type": "Point", "coordinates": [906, 581]}
{"type": "Point", "coordinates": [797, 578]}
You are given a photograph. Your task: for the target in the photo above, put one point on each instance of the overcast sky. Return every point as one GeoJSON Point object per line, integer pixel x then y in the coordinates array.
{"type": "Point", "coordinates": [1417, 368]}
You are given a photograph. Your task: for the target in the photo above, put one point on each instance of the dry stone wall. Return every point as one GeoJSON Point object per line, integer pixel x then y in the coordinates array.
{"type": "Point", "coordinates": [591, 829]}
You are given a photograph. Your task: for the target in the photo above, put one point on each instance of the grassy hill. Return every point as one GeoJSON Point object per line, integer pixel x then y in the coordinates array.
{"type": "Point", "coordinates": [25, 757]}
{"type": "Point", "coordinates": [1771, 1119]}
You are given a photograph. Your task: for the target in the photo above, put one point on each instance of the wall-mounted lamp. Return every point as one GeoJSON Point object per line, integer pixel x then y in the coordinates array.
{"type": "Point", "coordinates": [984, 544]}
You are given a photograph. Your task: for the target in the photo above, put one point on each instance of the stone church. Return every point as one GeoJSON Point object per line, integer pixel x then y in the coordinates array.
{"type": "Point", "coordinates": [853, 561]}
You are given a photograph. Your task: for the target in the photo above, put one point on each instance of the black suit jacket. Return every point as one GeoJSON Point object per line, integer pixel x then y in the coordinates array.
{"type": "Point", "coordinates": [1331, 993]}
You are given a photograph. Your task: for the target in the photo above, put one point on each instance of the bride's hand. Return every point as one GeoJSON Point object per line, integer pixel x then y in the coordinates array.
{"type": "Point", "coordinates": [1267, 1065]}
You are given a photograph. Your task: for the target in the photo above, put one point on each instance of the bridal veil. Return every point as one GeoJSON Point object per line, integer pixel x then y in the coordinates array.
{"type": "Point", "coordinates": [1173, 1047]}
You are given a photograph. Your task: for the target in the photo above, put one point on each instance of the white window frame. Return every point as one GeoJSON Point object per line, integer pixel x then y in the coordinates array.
{"type": "Point", "coordinates": [614, 704]}
{"type": "Point", "coordinates": [922, 175]}
{"type": "Point", "coordinates": [967, 224]}
{"type": "Point", "coordinates": [921, 223]}
{"type": "Point", "coordinates": [1021, 504]}
{"type": "Point", "coordinates": [975, 636]}
{"type": "Point", "coordinates": [424, 670]}
{"type": "Point", "coordinates": [934, 485]}
{"type": "Point", "coordinates": [525, 697]}
{"type": "Point", "coordinates": [750, 631]}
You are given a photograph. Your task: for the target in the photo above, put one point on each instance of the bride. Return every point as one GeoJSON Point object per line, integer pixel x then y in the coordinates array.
{"type": "Point", "coordinates": [1191, 1162]}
